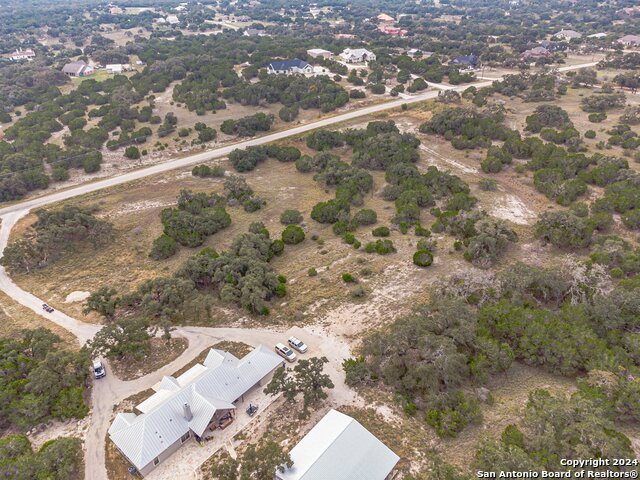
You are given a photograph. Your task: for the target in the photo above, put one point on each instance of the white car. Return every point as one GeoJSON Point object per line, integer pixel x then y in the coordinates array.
{"type": "Point", "coordinates": [297, 344]}
{"type": "Point", "coordinates": [98, 369]}
{"type": "Point", "coordinates": [285, 352]}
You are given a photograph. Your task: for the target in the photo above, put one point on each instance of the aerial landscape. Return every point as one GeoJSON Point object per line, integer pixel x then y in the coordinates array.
{"type": "Point", "coordinates": [328, 240]}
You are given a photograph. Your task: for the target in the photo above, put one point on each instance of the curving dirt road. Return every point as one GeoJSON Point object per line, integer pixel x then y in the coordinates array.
{"type": "Point", "coordinates": [110, 391]}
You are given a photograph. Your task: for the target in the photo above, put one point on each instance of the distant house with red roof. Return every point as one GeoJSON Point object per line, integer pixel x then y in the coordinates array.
{"type": "Point", "coordinates": [393, 31]}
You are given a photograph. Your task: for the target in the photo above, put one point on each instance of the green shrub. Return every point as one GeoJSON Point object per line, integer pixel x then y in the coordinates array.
{"type": "Point", "coordinates": [365, 217]}
{"type": "Point", "coordinates": [381, 247]}
{"type": "Point", "coordinates": [590, 134]}
{"type": "Point", "coordinates": [348, 278]}
{"type": "Point", "coordinates": [277, 247]}
{"type": "Point", "coordinates": [292, 235]}
{"type": "Point", "coordinates": [163, 247]}
{"type": "Point", "coordinates": [312, 272]}
{"type": "Point", "coordinates": [291, 217]}
{"type": "Point", "coordinates": [381, 232]}
{"type": "Point", "coordinates": [423, 258]}
{"type": "Point", "coordinates": [132, 152]}
{"type": "Point", "coordinates": [421, 231]}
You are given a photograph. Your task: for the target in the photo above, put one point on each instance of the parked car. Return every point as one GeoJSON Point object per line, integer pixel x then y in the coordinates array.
{"type": "Point", "coordinates": [297, 344]}
{"type": "Point", "coordinates": [98, 369]}
{"type": "Point", "coordinates": [47, 308]}
{"type": "Point", "coordinates": [285, 352]}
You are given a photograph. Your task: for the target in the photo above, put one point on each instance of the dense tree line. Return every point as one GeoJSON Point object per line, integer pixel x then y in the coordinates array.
{"type": "Point", "coordinates": [54, 234]}
{"type": "Point", "coordinates": [41, 380]}
{"type": "Point", "coordinates": [61, 458]}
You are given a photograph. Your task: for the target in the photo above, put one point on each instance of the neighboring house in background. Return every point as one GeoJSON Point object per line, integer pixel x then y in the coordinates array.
{"type": "Point", "coordinates": [118, 68]}
{"type": "Point", "coordinates": [393, 31]}
{"type": "Point", "coordinates": [568, 34]}
{"type": "Point", "coordinates": [203, 397]}
{"type": "Point", "coordinates": [254, 32]}
{"type": "Point", "coordinates": [467, 62]}
{"type": "Point", "coordinates": [597, 35]}
{"type": "Point", "coordinates": [357, 55]}
{"type": "Point", "coordinates": [78, 69]}
{"type": "Point", "coordinates": [172, 19]}
{"type": "Point", "coordinates": [116, 11]}
{"type": "Point", "coordinates": [536, 52]}
{"type": "Point", "coordinates": [629, 11]}
{"type": "Point", "coordinates": [20, 54]}
{"type": "Point", "coordinates": [339, 448]}
{"type": "Point", "coordinates": [383, 17]}
{"type": "Point", "coordinates": [413, 53]}
{"type": "Point", "coordinates": [319, 52]}
{"type": "Point", "coordinates": [630, 40]}
{"type": "Point", "coordinates": [289, 66]}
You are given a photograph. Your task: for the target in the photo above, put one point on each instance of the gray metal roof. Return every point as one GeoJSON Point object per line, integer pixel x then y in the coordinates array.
{"type": "Point", "coordinates": [210, 387]}
{"type": "Point", "coordinates": [339, 448]}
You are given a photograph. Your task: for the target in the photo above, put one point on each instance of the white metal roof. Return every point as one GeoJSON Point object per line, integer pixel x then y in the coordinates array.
{"type": "Point", "coordinates": [141, 438]}
{"type": "Point", "coordinates": [339, 448]}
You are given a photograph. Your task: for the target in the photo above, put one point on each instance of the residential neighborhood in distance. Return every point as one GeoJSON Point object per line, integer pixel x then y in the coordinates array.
{"type": "Point", "coordinates": [326, 240]}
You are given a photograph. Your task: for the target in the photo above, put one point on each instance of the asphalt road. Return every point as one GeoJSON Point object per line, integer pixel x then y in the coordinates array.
{"type": "Point", "coordinates": [111, 391]}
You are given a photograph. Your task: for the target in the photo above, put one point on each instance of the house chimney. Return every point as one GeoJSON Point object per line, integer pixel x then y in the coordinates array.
{"type": "Point", "coordinates": [187, 412]}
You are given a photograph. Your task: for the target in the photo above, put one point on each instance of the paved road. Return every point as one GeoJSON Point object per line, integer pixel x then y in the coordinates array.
{"type": "Point", "coordinates": [111, 391]}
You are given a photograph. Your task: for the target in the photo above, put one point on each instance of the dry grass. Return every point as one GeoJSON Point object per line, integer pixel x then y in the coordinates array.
{"type": "Point", "coordinates": [161, 354]}
{"type": "Point", "coordinates": [115, 464]}
{"type": "Point", "coordinates": [15, 318]}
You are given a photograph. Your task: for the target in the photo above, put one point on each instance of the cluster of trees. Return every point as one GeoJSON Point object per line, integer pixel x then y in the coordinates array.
{"type": "Point", "coordinates": [241, 275]}
{"type": "Point", "coordinates": [55, 233]}
{"type": "Point", "coordinates": [291, 90]}
{"type": "Point", "coordinates": [248, 126]}
{"type": "Point", "coordinates": [603, 102]}
{"type": "Point", "coordinates": [483, 238]}
{"type": "Point", "coordinates": [245, 160]}
{"type": "Point", "coordinates": [196, 217]}
{"type": "Point", "coordinates": [61, 458]}
{"type": "Point", "coordinates": [568, 320]}
{"type": "Point", "coordinates": [427, 357]}
{"type": "Point", "coordinates": [205, 171]}
{"type": "Point", "coordinates": [41, 380]}
{"type": "Point", "coordinates": [238, 192]}
{"type": "Point", "coordinates": [531, 87]}
{"type": "Point", "coordinates": [467, 128]}
{"type": "Point", "coordinates": [623, 197]}
{"type": "Point", "coordinates": [548, 435]}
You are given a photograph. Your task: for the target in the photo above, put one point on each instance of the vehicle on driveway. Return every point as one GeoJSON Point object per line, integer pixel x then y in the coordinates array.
{"type": "Point", "coordinates": [47, 308]}
{"type": "Point", "coordinates": [251, 411]}
{"type": "Point", "coordinates": [285, 352]}
{"type": "Point", "coordinates": [98, 369]}
{"type": "Point", "coordinates": [297, 344]}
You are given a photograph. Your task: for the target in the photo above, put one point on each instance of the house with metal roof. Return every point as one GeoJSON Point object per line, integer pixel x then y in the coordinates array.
{"type": "Point", "coordinates": [289, 66]}
{"type": "Point", "coordinates": [568, 34]}
{"type": "Point", "coordinates": [357, 55]}
{"type": "Point", "coordinates": [630, 40]}
{"type": "Point", "coordinates": [339, 448]}
{"type": "Point", "coordinates": [192, 405]}
{"type": "Point", "coordinates": [78, 69]}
